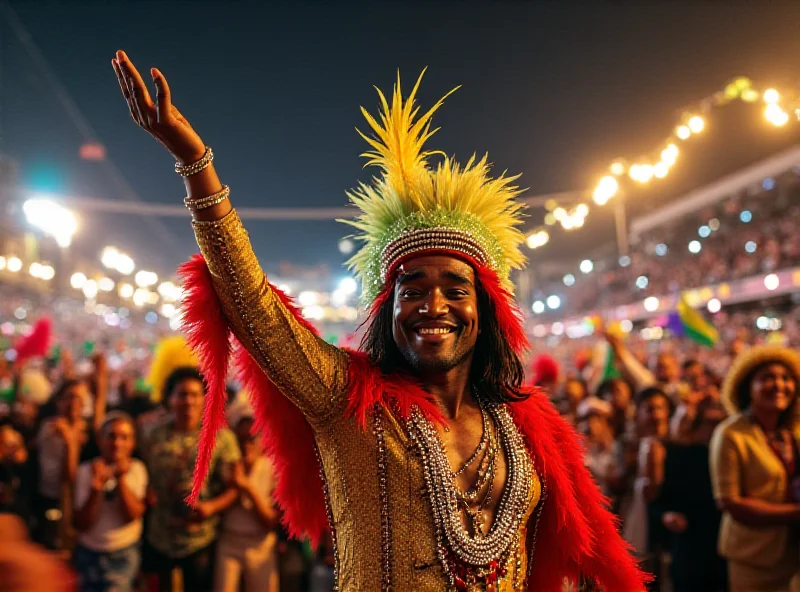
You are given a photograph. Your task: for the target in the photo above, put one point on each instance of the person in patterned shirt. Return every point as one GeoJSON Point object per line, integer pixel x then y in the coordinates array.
{"type": "Point", "coordinates": [179, 536]}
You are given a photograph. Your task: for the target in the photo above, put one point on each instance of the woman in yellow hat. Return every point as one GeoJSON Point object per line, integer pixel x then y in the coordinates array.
{"type": "Point", "coordinates": [755, 470]}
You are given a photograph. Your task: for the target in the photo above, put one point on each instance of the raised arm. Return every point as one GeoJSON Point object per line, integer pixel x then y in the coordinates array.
{"type": "Point", "coordinates": [310, 372]}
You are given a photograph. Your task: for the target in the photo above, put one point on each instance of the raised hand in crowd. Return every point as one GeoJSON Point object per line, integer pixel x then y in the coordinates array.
{"type": "Point", "coordinates": [240, 479]}
{"type": "Point", "coordinates": [675, 522]}
{"type": "Point", "coordinates": [70, 433]}
{"type": "Point", "coordinates": [101, 474]}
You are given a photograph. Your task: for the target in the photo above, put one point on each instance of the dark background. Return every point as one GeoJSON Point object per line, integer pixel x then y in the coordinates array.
{"type": "Point", "coordinates": [553, 90]}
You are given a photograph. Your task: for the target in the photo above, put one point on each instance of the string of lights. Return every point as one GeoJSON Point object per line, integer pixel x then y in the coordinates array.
{"type": "Point", "coordinates": [777, 105]}
{"type": "Point", "coordinates": [117, 278]}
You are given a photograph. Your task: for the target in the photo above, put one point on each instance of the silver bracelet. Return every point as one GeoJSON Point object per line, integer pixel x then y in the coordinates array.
{"type": "Point", "coordinates": [201, 203]}
{"type": "Point", "coordinates": [187, 170]}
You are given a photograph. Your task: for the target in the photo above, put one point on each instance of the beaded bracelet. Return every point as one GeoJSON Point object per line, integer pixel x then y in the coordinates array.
{"type": "Point", "coordinates": [187, 170]}
{"type": "Point", "coordinates": [201, 203]}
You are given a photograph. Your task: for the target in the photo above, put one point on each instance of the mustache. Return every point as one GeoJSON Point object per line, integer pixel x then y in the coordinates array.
{"type": "Point", "coordinates": [444, 324]}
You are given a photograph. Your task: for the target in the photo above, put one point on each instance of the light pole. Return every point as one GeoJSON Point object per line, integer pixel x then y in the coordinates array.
{"type": "Point", "coordinates": [621, 223]}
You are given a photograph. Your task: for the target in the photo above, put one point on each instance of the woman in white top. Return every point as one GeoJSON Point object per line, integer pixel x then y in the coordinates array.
{"type": "Point", "coordinates": [602, 451]}
{"type": "Point", "coordinates": [247, 546]}
{"type": "Point", "coordinates": [109, 502]}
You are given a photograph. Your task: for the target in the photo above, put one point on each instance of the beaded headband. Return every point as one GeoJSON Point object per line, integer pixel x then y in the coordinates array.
{"type": "Point", "coordinates": [430, 239]}
{"type": "Point", "coordinates": [413, 207]}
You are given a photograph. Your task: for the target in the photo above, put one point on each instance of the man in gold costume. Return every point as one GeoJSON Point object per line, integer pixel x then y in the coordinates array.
{"type": "Point", "coordinates": [423, 454]}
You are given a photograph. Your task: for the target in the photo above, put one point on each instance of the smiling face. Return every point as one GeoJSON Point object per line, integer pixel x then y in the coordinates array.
{"type": "Point", "coordinates": [71, 404]}
{"type": "Point", "coordinates": [186, 401]}
{"type": "Point", "coordinates": [667, 369]}
{"type": "Point", "coordinates": [117, 440]}
{"type": "Point", "coordinates": [620, 394]}
{"type": "Point", "coordinates": [435, 321]}
{"type": "Point", "coordinates": [773, 388]}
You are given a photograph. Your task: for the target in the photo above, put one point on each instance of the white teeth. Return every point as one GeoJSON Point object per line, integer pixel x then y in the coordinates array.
{"type": "Point", "coordinates": [433, 330]}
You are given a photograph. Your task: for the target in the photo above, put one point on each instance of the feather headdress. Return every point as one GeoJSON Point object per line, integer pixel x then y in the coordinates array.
{"type": "Point", "coordinates": [413, 207]}
{"type": "Point", "coordinates": [171, 353]}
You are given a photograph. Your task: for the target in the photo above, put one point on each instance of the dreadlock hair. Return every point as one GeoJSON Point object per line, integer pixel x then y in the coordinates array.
{"type": "Point", "coordinates": [496, 373]}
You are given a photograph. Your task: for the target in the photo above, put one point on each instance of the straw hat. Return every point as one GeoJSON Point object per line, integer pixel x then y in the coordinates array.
{"type": "Point", "coordinates": [747, 362]}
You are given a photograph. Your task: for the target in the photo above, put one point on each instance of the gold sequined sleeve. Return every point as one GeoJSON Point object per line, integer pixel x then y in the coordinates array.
{"type": "Point", "coordinates": [309, 371]}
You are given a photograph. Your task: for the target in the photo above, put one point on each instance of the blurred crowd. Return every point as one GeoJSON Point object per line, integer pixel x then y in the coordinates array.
{"type": "Point", "coordinates": [741, 236]}
{"type": "Point", "coordinates": [695, 447]}
{"type": "Point", "coordinates": [97, 465]}
{"type": "Point", "coordinates": [656, 423]}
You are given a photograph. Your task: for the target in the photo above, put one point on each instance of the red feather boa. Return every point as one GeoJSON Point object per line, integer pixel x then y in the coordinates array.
{"type": "Point", "coordinates": [209, 337]}
{"type": "Point", "coordinates": [287, 436]}
{"type": "Point", "coordinates": [577, 535]}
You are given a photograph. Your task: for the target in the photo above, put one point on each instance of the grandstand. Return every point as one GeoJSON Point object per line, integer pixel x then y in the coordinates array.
{"type": "Point", "coordinates": [730, 243]}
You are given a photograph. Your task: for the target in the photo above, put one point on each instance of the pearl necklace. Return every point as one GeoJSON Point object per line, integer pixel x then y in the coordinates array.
{"type": "Point", "coordinates": [480, 553]}
{"type": "Point", "coordinates": [475, 506]}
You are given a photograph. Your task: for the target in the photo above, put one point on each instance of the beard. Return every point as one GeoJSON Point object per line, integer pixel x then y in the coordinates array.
{"type": "Point", "coordinates": [439, 363]}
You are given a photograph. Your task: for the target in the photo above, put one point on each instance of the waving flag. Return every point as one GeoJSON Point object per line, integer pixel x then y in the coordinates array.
{"type": "Point", "coordinates": [688, 322]}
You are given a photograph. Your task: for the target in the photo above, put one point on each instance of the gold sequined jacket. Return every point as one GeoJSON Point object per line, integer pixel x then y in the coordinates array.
{"type": "Point", "coordinates": [385, 535]}
{"type": "Point", "coordinates": [313, 374]}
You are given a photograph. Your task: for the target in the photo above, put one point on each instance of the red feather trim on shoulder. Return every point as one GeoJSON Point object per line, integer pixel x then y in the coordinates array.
{"type": "Point", "coordinates": [577, 534]}
{"type": "Point", "coordinates": [287, 436]}
{"type": "Point", "coordinates": [209, 337]}
{"type": "Point", "coordinates": [368, 386]}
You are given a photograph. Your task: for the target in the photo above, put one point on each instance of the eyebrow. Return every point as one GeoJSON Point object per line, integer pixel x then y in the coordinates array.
{"type": "Point", "coordinates": [457, 277]}
{"type": "Point", "coordinates": [410, 277]}
{"type": "Point", "coordinates": [450, 275]}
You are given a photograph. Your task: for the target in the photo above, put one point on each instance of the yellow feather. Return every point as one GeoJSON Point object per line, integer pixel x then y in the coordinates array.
{"type": "Point", "coordinates": [408, 186]}
{"type": "Point", "coordinates": [171, 353]}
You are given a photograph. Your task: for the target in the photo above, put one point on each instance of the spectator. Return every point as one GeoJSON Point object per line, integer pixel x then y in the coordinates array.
{"type": "Point", "coordinates": [617, 392]}
{"type": "Point", "coordinates": [643, 522]}
{"type": "Point", "coordinates": [602, 454]}
{"type": "Point", "coordinates": [546, 372]}
{"type": "Point", "coordinates": [247, 546]}
{"type": "Point", "coordinates": [110, 502]}
{"type": "Point", "coordinates": [688, 510]}
{"type": "Point", "coordinates": [574, 393]}
{"type": "Point", "coordinates": [693, 373]}
{"type": "Point", "coordinates": [179, 536]}
{"type": "Point", "coordinates": [14, 480]}
{"type": "Point", "coordinates": [755, 470]}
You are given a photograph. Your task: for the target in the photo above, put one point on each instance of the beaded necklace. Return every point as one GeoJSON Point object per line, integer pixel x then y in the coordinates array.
{"type": "Point", "coordinates": [478, 557]}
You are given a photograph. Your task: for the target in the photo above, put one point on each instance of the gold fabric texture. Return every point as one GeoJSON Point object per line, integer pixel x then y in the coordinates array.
{"type": "Point", "coordinates": [313, 375]}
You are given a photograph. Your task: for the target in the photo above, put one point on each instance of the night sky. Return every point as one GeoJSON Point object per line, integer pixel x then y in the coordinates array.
{"type": "Point", "coordinates": [552, 90]}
